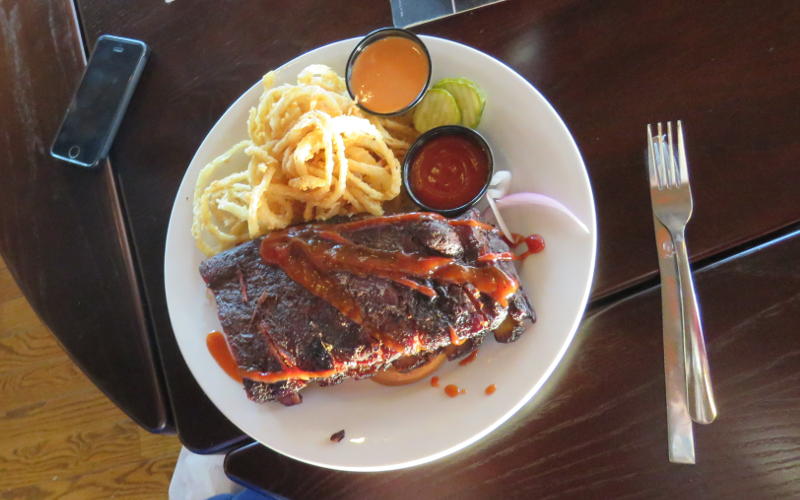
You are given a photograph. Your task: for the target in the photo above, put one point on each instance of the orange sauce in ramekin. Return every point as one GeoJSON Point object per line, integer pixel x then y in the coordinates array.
{"type": "Point", "coordinates": [389, 74]}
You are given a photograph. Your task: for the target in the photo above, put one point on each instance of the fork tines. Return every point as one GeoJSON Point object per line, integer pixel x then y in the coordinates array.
{"type": "Point", "coordinates": [665, 172]}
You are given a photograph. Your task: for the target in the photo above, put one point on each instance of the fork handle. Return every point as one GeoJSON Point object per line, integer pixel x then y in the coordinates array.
{"type": "Point", "coordinates": [700, 395]}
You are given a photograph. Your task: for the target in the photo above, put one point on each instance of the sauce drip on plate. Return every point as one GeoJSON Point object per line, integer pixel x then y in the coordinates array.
{"type": "Point", "coordinates": [448, 172]}
{"type": "Point", "coordinates": [218, 347]}
{"type": "Point", "coordinates": [534, 242]}
{"type": "Point", "coordinates": [469, 359]}
{"type": "Point", "coordinates": [453, 390]}
{"type": "Point", "coordinates": [389, 74]}
{"type": "Point", "coordinates": [490, 389]}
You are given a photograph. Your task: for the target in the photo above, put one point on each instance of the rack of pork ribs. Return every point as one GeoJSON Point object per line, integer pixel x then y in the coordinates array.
{"type": "Point", "coordinates": [319, 303]}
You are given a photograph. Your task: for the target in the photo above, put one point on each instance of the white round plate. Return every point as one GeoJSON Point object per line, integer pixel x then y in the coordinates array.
{"type": "Point", "coordinates": [395, 427]}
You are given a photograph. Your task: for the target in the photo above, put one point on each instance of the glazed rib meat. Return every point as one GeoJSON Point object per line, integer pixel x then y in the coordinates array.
{"type": "Point", "coordinates": [322, 302]}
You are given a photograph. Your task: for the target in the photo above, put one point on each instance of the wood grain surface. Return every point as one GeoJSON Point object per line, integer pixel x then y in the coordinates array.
{"type": "Point", "coordinates": [60, 437]}
{"type": "Point", "coordinates": [61, 227]}
{"type": "Point", "coordinates": [598, 429]}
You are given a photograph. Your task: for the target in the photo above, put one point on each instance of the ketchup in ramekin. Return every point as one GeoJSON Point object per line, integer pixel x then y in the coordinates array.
{"type": "Point", "coordinates": [448, 169]}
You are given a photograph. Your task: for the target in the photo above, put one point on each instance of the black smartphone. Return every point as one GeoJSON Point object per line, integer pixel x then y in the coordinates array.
{"type": "Point", "coordinates": [97, 108]}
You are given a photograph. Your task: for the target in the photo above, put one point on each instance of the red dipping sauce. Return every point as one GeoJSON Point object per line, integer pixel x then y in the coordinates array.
{"type": "Point", "coordinates": [448, 172]}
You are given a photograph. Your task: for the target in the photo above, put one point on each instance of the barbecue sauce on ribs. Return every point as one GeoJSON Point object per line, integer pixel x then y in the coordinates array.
{"type": "Point", "coordinates": [308, 253]}
{"type": "Point", "coordinates": [454, 264]}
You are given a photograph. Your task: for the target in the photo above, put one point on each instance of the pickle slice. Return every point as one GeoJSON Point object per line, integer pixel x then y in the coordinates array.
{"type": "Point", "coordinates": [469, 97]}
{"type": "Point", "coordinates": [437, 108]}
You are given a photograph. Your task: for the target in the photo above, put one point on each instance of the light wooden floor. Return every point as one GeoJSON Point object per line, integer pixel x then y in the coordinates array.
{"type": "Point", "coordinates": [60, 437]}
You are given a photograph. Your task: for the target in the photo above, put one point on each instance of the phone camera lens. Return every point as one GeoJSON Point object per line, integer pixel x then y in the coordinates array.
{"type": "Point", "coordinates": [74, 151]}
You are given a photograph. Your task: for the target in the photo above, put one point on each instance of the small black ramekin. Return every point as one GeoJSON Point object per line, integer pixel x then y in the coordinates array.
{"type": "Point", "coordinates": [433, 133]}
{"type": "Point", "coordinates": [374, 36]}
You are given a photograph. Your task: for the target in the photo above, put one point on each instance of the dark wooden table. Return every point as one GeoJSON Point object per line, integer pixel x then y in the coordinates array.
{"type": "Point", "coordinates": [87, 247]}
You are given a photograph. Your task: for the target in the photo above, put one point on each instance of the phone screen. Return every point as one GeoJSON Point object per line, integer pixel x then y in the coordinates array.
{"type": "Point", "coordinates": [99, 103]}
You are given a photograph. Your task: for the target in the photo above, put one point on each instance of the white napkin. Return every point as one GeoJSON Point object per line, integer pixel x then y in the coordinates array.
{"type": "Point", "coordinates": [198, 477]}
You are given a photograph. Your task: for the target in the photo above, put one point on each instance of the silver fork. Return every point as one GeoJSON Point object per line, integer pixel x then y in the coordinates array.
{"type": "Point", "coordinates": [672, 205]}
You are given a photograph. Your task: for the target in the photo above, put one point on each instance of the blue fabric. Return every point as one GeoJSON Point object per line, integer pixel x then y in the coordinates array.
{"type": "Point", "coordinates": [246, 495]}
